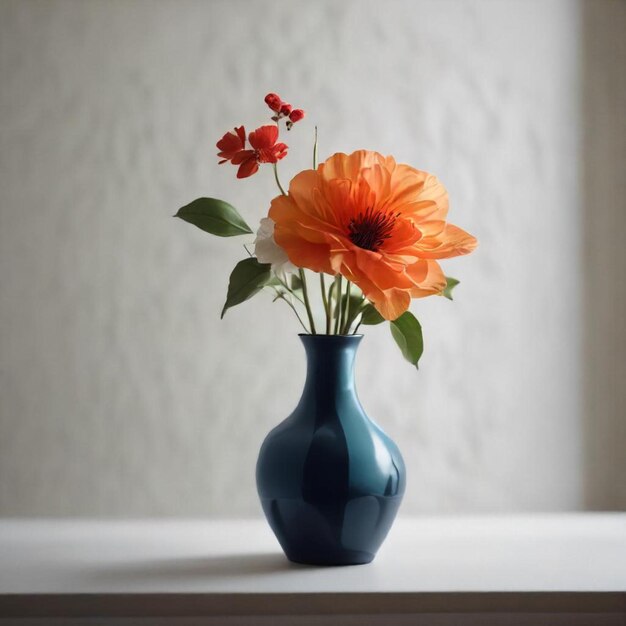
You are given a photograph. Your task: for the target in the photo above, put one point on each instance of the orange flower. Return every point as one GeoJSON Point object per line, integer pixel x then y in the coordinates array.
{"type": "Point", "coordinates": [380, 224]}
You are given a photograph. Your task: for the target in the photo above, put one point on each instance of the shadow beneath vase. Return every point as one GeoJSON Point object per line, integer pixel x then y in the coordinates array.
{"type": "Point", "coordinates": [207, 568]}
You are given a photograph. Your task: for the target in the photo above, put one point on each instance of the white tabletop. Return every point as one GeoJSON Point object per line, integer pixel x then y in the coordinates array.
{"type": "Point", "coordinates": [427, 556]}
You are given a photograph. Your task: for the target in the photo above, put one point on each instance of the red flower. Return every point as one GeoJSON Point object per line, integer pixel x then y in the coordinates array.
{"type": "Point", "coordinates": [296, 115]}
{"type": "Point", "coordinates": [273, 101]}
{"type": "Point", "coordinates": [232, 148]}
{"type": "Point", "coordinates": [231, 143]}
{"type": "Point", "coordinates": [285, 108]}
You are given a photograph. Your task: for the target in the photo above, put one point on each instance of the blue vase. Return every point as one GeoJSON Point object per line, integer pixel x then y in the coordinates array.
{"type": "Point", "coordinates": [330, 480]}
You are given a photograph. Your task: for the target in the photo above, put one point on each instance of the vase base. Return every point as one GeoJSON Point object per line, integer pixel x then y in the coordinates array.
{"type": "Point", "coordinates": [337, 561]}
{"type": "Point", "coordinates": [343, 533]}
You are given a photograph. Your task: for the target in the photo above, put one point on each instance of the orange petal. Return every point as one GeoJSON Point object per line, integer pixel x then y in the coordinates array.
{"type": "Point", "coordinates": [393, 304]}
{"type": "Point", "coordinates": [348, 166]}
{"type": "Point", "coordinates": [293, 217]}
{"type": "Point", "coordinates": [454, 241]}
{"type": "Point", "coordinates": [428, 277]}
{"type": "Point", "coordinates": [335, 199]}
{"type": "Point", "coordinates": [390, 303]}
{"type": "Point", "coordinates": [378, 179]}
{"type": "Point", "coordinates": [404, 235]}
{"type": "Point", "coordinates": [418, 194]}
{"type": "Point", "coordinates": [302, 253]}
{"type": "Point", "coordinates": [380, 271]}
{"type": "Point", "coordinates": [311, 203]}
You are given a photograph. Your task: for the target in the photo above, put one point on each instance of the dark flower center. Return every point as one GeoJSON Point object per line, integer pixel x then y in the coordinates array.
{"type": "Point", "coordinates": [369, 229]}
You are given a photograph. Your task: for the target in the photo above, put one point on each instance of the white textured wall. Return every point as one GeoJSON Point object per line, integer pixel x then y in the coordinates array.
{"type": "Point", "coordinates": [123, 393]}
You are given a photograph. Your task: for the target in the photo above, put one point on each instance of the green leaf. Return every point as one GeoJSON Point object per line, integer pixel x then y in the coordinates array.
{"type": "Point", "coordinates": [355, 291]}
{"type": "Point", "coordinates": [296, 283]}
{"type": "Point", "coordinates": [407, 332]}
{"type": "Point", "coordinates": [450, 285]}
{"type": "Point", "coordinates": [273, 282]}
{"type": "Point", "coordinates": [246, 280]}
{"type": "Point", "coordinates": [371, 316]}
{"type": "Point", "coordinates": [355, 307]}
{"type": "Point", "coordinates": [214, 216]}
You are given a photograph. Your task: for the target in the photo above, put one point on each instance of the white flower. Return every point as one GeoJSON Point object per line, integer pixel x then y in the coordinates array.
{"type": "Point", "coordinates": [267, 250]}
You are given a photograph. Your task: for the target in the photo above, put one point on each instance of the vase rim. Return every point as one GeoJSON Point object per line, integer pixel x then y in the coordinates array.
{"type": "Point", "coordinates": [331, 337]}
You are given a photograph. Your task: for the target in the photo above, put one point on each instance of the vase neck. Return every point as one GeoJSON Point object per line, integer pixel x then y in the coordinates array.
{"type": "Point", "coordinates": [330, 367]}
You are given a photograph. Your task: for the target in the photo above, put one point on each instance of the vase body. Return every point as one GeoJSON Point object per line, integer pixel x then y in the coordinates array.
{"type": "Point", "coordinates": [329, 479]}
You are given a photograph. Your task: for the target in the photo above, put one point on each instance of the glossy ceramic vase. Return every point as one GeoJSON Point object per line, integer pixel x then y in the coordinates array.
{"type": "Point", "coordinates": [330, 480]}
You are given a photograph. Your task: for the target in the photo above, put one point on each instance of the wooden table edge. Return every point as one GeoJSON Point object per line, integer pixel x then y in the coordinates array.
{"type": "Point", "coordinates": [215, 604]}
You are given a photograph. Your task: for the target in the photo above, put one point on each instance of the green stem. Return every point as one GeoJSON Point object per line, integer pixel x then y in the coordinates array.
{"type": "Point", "coordinates": [346, 312]}
{"type": "Point", "coordinates": [315, 151]}
{"type": "Point", "coordinates": [281, 296]}
{"type": "Point", "coordinates": [331, 291]}
{"type": "Point", "coordinates": [288, 288]}
{"type": "Point", "coordinates": [338, 282]}
{"type": "Point", "coordinates": [359, 312]}
{"type": "Point", "coordinates": [325, 301]}
{"type": "Point", "coordinates": [277, 179]}
{"type": "Point", "coordinates": [307, 304]}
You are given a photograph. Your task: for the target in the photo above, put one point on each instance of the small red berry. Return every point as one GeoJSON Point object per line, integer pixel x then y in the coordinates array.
{"type": "Point", "coordinates": [285, 108]}
{"type": "Point", "coordinates": [273, 101]}
{"type": "Point", "coordinates": [296, 115]}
